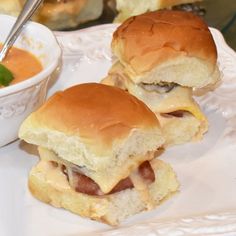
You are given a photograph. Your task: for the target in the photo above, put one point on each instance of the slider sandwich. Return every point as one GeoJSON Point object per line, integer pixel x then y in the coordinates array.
{"type": "Point", "coordinates": [97, 145]}
{"type": "Point", "coordinates": [127, 9]}
{"type": "Point", "coordinates": [160, 58]}
{"type": "Point", "coordinates": [58, 14]}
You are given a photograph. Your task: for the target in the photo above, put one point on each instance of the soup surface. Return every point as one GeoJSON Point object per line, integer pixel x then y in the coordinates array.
{"type": "Point", "coordinates": [22, 64]}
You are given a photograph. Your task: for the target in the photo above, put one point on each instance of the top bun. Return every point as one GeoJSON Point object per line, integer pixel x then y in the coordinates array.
{"type": "Point", "coordinates": [102, 129]}
{"type": "Point", "coordinates": [167, 46]}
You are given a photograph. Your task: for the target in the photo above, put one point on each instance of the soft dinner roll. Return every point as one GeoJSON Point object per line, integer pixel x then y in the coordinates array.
{"type": "Point", "coordinates": [58, 14]}
{"type": "Point", "coordinates": [103, 130]}
{"type": "Point", "coordinates": [127, 9]}
{"type": "Point", "coordinates": [167, 46]}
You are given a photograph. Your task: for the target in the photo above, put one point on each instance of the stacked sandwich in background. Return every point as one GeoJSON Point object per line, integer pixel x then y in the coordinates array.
{"type": "Point", "coordinates": [97, 145]}
{"type": "Point", "coordinates": [161, 57]}
{"type": "Point", "coordinates": [58, 14]}
{"type": "Point", "coordinates": [127, 9]}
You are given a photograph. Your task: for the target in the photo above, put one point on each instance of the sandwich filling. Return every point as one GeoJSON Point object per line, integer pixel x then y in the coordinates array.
{"type": "Point", "coordinates": [161, 98]}
{"type": "Point", "coordinates": [162, 87]}
{"type": "Point", "coordinates": [81, 183]}
{"type": "Point", "coordinates": [172, 103]}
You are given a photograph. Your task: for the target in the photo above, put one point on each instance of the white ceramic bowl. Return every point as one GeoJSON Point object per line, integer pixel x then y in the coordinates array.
{"type": "Point", "coordinates": [19, 100]}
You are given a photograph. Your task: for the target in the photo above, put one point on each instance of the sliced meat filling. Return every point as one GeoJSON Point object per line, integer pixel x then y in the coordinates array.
{"type": "Point", "coordinates": [84, 184]}
{"type": "Point", "coordinates": [162, 87]}
{"type": "Point", "coordinates": [178, 114]}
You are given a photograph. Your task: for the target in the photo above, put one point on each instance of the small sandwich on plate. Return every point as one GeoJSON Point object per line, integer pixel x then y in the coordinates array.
{"type": "Point", "coordinates": [160, 57]}
{"type": "Point", "coordinates": [127, 9]}
{"type": "Point", "coordinates": [97, 146]}
{"type": "Point", "coordinates": [58, 14]}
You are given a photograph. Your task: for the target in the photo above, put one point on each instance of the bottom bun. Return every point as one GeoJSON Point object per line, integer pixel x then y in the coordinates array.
{"type": "Point", "coordinates": [50, 185]}
{"type": "Point", "coordinates": [180, 130]}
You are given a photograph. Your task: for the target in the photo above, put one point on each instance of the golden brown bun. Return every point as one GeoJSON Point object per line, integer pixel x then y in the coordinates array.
{"type": "Point", "coordinates": [58, 14]}
{"type": "Point", "coordinates": [167, 45]}
{"type": "Point", "coordinates": [110, 209]}
{"type": "Point", "coordinates": [94, 112]}
{"type": "Point", "coordinates": [104, 130]}
{"type": "Point", "coordinates": [127, 9]}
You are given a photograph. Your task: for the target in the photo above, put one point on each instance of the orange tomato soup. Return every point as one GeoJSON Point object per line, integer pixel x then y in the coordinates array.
{"type": "Point", "coordinates": [22, 64]}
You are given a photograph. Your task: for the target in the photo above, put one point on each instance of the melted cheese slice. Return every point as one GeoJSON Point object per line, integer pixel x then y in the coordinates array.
{"type": "Point", "coordinates": [48, 156]}
{"type": "Point", "coordinates": [53, 174]}
{"type": "Point", "coordinates": [179, 98]}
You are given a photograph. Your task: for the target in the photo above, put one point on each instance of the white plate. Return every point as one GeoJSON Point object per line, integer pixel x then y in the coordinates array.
{"type": "Point", "coordinates": [206, 204]}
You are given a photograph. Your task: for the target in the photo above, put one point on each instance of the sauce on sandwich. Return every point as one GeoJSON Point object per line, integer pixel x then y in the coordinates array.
{"type": "Point", "coordinates": [84, 184]}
